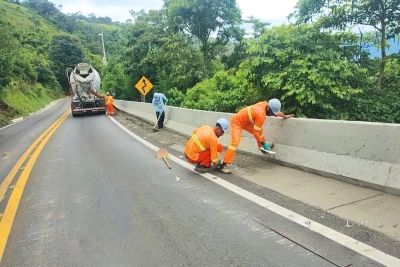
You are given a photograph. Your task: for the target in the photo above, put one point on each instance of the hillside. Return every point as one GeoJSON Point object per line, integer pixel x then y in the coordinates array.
{"type": "Point", "coordinates": [30, 77]}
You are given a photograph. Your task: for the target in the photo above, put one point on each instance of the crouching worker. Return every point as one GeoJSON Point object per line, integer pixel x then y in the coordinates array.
{"type": "Point", "coordinates": [251, 119]}
{"type": "Point", "coordinates": [203, 147]}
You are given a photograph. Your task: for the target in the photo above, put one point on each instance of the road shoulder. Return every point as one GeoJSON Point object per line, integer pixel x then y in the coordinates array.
{"type": "Point", "coordinates": [367, 215]}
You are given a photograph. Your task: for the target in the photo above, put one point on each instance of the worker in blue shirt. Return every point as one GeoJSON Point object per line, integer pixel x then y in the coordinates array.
{"type": "Point", "coordinates": [159, 101]}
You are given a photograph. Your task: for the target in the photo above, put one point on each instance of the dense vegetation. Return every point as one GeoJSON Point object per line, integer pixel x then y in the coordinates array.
{"type": "Point", "coordinates": [37, 44]}
{"type": "Point", "coordinates": [320, 66]}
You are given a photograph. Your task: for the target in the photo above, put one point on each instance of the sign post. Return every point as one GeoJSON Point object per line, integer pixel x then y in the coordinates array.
{"type": "Point", "coordinates": [143, 86]}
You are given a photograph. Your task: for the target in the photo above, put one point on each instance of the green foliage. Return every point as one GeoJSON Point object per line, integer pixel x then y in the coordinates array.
{"type": "Point", "coordinates": [92, 19]}
{"type": "Point", "coordinates": [46, 77]}
{"type": "Point", "coordinates": [232, 59]}
{"type": "Point", "coordinates": [380, 105]}
{"type": "Point", "coordinates": [316, 73]}
{"type": "Point", "coordinates": [28, 56]}
{"type": "Point", "coordinates": [20, 99]}
{"type": "Point", "coordinates": [383, 16]}
{"type": "Point", "coordinates": [6, 113]}
{"type": "Point", "coordinates": [175, 97]}
{"type": "Point", "coordinates": [202, 17]}
{"type": "Point", "coordinates": [376, 105]}
{"type": "Point", "coordinates": [26, 101]}
{"type": "Point", "coordinates": [7, 55]}
{"type": "Point", "coordinates": [65, 52]}
{"type": "Point", "coordinates": [225, 91]}
{"type": "Point", "coordinates": [49, 11]}
{"type": "Point", "coordinates": [342, 13]}
{"type": "Point", "coordinates": [89, 32]}
{"type": "Point", "coordinates": [116, 81]}
{"type": "Point", "coordinates": [306, 68]}
{"type": "Point", "coordinates": [392, 81]}
{"type": "Point", "coordinates": [169, 60]}
{"type": "Point", "coordinates": [24, 65]}
{"type": "Point", "coordinates": [26, 81]}
{"type": "Point", "coordinates": [258, 26]}
{"type": "Point", "coordinates": [178, 64]}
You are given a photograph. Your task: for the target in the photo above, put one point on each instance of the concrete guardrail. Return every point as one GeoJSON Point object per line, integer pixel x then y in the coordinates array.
{"type": "Point", "coordinates": [362, 153]}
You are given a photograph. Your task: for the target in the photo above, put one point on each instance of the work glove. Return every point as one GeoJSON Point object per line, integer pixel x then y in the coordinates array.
{"type": "Point", "coordinates": [266, 146]}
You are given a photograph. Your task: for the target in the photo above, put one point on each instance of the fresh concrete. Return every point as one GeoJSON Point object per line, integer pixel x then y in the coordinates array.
{"type": "Point", "coordinates": [307, 187]}
{"type": "Point", "coordinates": [385, 209]}
{"type": "Point", "coordinates": [361, 152]}
{"type": "Point", "coordinates": [368, 207]}
{"type": "Point", "coordinates": [329, 195]}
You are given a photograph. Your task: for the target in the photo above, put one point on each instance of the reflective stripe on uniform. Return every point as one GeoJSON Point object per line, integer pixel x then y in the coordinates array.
{"type": "Point", "coordinates": [198, 143]}
{"type": "Point", "coordinates": [249, 113]}
{"type": "Point", "coordinates": [257, 128]}
{"type": "Point", "coordinates": [231, 147]}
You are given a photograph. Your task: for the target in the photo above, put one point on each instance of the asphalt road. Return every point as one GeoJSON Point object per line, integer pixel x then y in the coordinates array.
{"type": "Point", "coordinates": [97, 197]}
{"type": "Point", "coordinates": [15, 139]}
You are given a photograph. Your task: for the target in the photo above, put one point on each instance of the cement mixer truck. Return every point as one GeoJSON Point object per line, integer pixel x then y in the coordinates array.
{"type": "Point", "coordinates": [84, 83]}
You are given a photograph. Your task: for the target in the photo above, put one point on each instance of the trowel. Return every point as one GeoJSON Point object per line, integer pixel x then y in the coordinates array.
{"type": "Point", "coordinates": [270, 152]}
{"type": "Point", "coordinates": [163, 154]}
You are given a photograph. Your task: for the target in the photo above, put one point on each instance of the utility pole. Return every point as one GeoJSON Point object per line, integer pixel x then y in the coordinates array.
{"type": "Point", "coordinates": [104, 50]}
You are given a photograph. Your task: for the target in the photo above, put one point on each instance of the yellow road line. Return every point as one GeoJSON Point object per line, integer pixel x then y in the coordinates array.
{"type": "Point", "coordinates": [15, 198]}
{"type": "Point", "coordinates": [9, 178]}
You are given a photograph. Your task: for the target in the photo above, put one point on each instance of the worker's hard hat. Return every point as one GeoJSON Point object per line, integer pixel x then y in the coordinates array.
{"type": "Point", "coordinates": [108, 93]}
{"type": "Point", "coordinates": [274, 105]}
{"type": "Point", "coordinates": [223, 123]}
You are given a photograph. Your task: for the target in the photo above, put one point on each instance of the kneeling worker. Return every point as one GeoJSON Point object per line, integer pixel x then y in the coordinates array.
{"type": "Point", "coordinates": [203, 147]}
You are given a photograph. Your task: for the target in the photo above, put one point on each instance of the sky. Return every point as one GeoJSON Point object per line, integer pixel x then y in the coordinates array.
{"type": "Point", "coordinates": [272, 11]}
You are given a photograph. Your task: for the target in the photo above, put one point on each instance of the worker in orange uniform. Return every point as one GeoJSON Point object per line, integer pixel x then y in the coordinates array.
{"type": "Point", "coordinates": [251, 119]}
{"type": "Point", "coordinates": [109, 101]}
{"type": "Point", "coordinates": [203, 147]}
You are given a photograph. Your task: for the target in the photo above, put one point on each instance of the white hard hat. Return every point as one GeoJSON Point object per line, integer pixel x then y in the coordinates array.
{"type": "Point", "coordinates": [274, 105]}
{"type": "Point", "coordinates": [223, 123]}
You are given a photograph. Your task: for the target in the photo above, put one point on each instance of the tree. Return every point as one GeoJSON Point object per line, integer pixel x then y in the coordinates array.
{"type": "Point", "coordinates": [49, 11]}
{"type": "Point", "coordinates": [7, 53]}
{"type": "Point", "coordinates": [115, 80]}
{"type": "Point", "coordinates": [306, 68]}
{"type": "Point", "coordinates": [226, 91]}
{"type": "Point", "coordinates": [203, 18]}
{"type": "Point", "coordinates": [258, 26]}
{"type": "Point", "coordinates": [65, 51]}
{"type": "Point", "coordinates": [43, 7]}
{"type": "Point", "coordinates": [168, 59]}
{"type": "Point", "coordinates": [382, 15]}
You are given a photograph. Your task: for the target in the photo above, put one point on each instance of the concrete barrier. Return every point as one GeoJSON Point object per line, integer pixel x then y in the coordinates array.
{"type": "Point", "coordinates": [363, 153]}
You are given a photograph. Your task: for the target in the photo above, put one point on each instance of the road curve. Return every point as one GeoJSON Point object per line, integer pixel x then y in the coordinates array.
{"type": "Point", "coordinates": [97, 197]}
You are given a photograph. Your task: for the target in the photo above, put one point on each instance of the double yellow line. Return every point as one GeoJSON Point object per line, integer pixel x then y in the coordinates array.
{"type": "Point", "coordinates": [25, 162]}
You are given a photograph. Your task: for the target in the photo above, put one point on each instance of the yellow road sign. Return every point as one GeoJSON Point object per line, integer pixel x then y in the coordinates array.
{"type": "Point", "coordinates": [144, 85]}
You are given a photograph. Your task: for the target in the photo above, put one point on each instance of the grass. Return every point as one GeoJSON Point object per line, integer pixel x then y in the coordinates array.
{"type": "Point", "coordinates": [17, 102]}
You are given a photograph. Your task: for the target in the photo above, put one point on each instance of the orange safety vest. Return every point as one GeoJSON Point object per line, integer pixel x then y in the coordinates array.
{"type": "Point", "coordinates": [109, 100]}
{"type": "Point", "coordinates": [253, 117]}
{"type": "Point", "coordinates": [202, 139]}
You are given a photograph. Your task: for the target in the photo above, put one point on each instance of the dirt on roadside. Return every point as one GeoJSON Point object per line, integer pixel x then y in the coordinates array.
{"type": "Point", "coordinates": [6, 114]}
{"type": "Point", "coordinates": [171, 140]}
